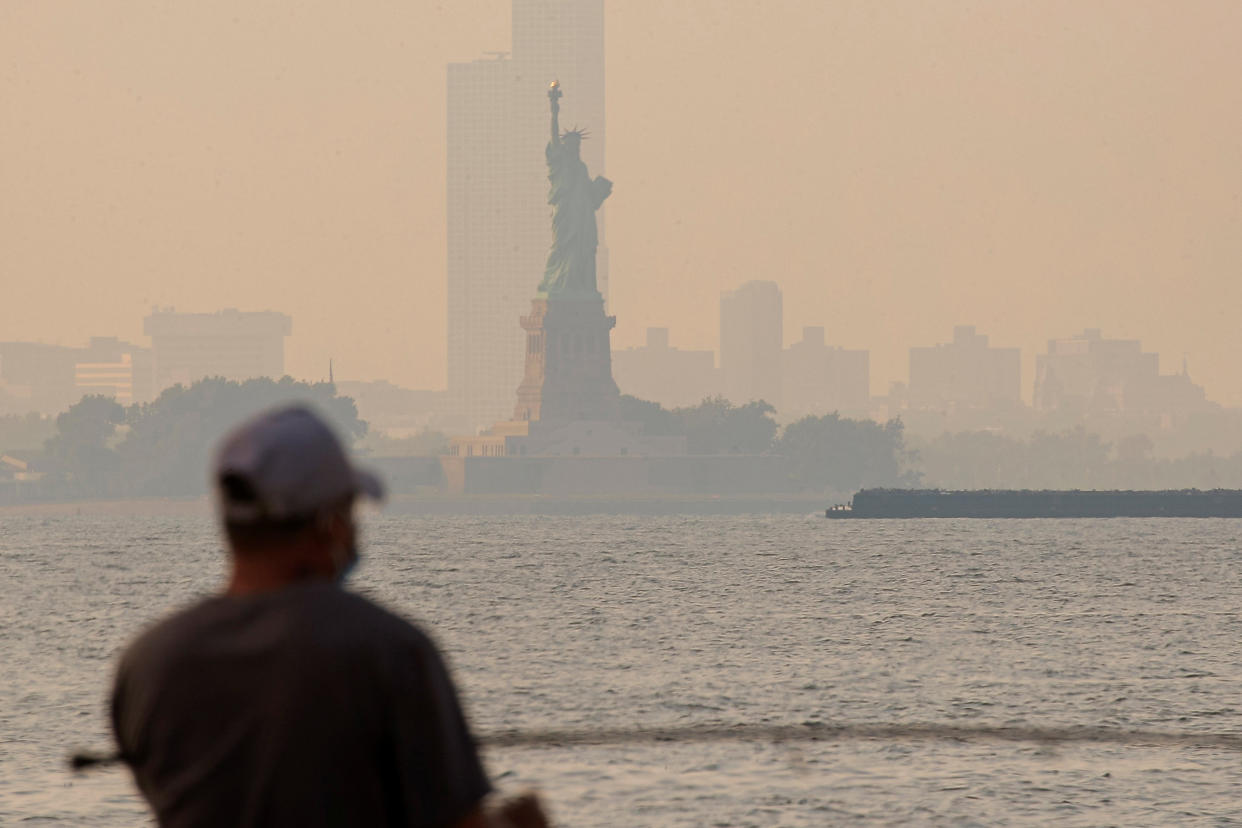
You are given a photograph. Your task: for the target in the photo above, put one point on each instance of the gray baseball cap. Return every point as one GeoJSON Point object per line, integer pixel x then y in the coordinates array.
{"type": "Point", "coordinates": [285, 464]}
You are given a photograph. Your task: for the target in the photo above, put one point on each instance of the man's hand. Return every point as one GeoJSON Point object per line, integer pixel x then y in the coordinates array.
{"type": "Point", "coordinates": [523, 812]}
{"type": "Point", "coordinates": [519, 812]}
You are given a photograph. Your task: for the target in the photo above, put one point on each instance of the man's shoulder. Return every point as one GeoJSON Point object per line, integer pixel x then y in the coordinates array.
{"type": "Point", "coordinates": [170, 632]}
{"type": "Point", "coordinates": [358, 610]}
{"type": "Point", "coordinates": [339, 629]}
{"type": "Point", "coordinates": [324, 613]}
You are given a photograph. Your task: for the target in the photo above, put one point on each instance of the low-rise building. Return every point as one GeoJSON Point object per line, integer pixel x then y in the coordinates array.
{"type": "Point", "coordinates": [820, 379]}
{"type": "Point", "coordinates": [964, 373]}
{"type": "Point", "coordinates": [672, 377]}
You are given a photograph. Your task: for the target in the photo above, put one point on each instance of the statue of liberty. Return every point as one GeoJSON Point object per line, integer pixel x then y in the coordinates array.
{"type": "Point", "coordinates": [574, 197]}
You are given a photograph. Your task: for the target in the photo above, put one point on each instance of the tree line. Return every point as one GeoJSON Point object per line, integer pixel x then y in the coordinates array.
{"type": "Point", "coordinates": [99, 448]}
{"type": "Point", "coordinates": [821, 453]}
{"type": "Point", "coordinates": [103, 449]}
{"type": "Point", "coordinates": [1070, 459]}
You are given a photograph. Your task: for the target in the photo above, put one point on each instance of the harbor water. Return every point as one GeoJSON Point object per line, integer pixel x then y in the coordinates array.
{"type": "Point", "coordinates": [930, 636]}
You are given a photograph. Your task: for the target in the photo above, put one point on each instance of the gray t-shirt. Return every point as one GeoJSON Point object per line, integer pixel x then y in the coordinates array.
{"type": "Point", "coordinates": [307, 706]}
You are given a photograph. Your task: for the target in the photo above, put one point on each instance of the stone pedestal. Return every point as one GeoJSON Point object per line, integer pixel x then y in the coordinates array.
{"type": "Point", "coordinates": [568, 362]}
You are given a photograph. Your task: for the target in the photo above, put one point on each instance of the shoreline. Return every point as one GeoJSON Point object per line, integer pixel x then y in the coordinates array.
{"type": "Point", "coordinates": [447, 505]}
{"type": "Point", "coordinates": [569, 505]}
{"type": "Point", "coordinates": [145, 506]}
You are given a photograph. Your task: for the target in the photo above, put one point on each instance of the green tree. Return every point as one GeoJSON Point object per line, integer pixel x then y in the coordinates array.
{"type": "Point", "coordinates": [656, 420]}
{"type": "Point", "coordinates": [1071, 459]}
{"type": "Point", "coordinates": [834, 452]}
{"type": "Point", "coordinates": [975, 460]}
{"type": "Point", "coordinates": [78, 455]}
{"type": "Point", "coordinates": [716, 426]}
{"type": "Point", "coordinates": [168, 447]}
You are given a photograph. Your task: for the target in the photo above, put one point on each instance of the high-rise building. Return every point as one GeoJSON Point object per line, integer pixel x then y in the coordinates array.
{"type": "Point", "coordinates": [820, 379]}
{"type": "Point", "coordinates": [498, 217]}
{"type": "Point", "coordinates": [1090, 375]}
{"type": "Point", "coordinates": [484, 342]}
{"type": "Point", "coordinates": [965, 373]}
{"type": "Point", "coordinates": [673, 377]}
{"type": "Point", "coordinates": [751, 336]}
{"type": "Point", "coordinates": [229, 344]}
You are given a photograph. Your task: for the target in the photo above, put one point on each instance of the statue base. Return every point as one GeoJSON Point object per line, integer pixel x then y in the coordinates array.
{"type": "Point", "coordinates": [568, 361]}
{"type": "Point", "coordinates": [568, 405]}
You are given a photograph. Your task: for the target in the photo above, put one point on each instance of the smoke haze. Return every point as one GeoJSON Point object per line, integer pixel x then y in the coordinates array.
{"type": "Point", "coordinates": [1030, 168]}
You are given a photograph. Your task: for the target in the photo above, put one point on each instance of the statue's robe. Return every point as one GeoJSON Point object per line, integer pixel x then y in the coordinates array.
{"type": "Point", "coordinates": [574, 197]}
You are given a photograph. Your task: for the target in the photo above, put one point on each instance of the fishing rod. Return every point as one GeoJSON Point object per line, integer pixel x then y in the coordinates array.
{"type": "Point", "coordinates": [85, 760]}
{"type": "Point", "coordinates": [815, 732]}
{"type": "Point", "coordinates": [825, 732]}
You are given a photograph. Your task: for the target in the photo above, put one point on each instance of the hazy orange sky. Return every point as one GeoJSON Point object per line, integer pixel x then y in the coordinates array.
{"type": "Point", "coordinates": [1032, 168]}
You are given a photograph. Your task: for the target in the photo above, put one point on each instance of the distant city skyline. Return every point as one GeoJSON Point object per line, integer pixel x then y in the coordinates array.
{"type": "Point", "coordinates": [1082, 374]}
{"type": "Point", "coordinates": [184, 348]}
{"type": "Point", "coordinates": [1033, 170]}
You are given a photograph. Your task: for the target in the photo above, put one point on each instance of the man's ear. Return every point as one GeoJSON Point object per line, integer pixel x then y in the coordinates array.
{"type": "Point", "coordinates": [333, 524]}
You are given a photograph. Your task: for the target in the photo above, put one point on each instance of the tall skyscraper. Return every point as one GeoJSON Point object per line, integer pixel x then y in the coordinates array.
{"type": "Point", "coordinates": [498, 216]}
{"type": "Point", "coordinates": [751, 336]}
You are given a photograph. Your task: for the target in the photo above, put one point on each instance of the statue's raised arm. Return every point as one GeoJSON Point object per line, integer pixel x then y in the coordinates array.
{"type": "Point", "coordinates": [554, 95]}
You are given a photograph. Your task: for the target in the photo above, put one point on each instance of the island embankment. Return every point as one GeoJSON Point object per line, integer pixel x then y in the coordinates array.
{"type": "Point", "coordinates": [144, 506]}
{"type": "Point", "coordinates": [439, 504]}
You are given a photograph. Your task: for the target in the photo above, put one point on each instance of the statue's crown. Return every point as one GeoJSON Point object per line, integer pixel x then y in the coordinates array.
{"type": "Point", "coordinates": [581, 133]}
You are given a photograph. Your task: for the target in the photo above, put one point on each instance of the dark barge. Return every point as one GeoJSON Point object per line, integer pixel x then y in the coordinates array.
{"type": "Point", "coordinates": [1002, 503]}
